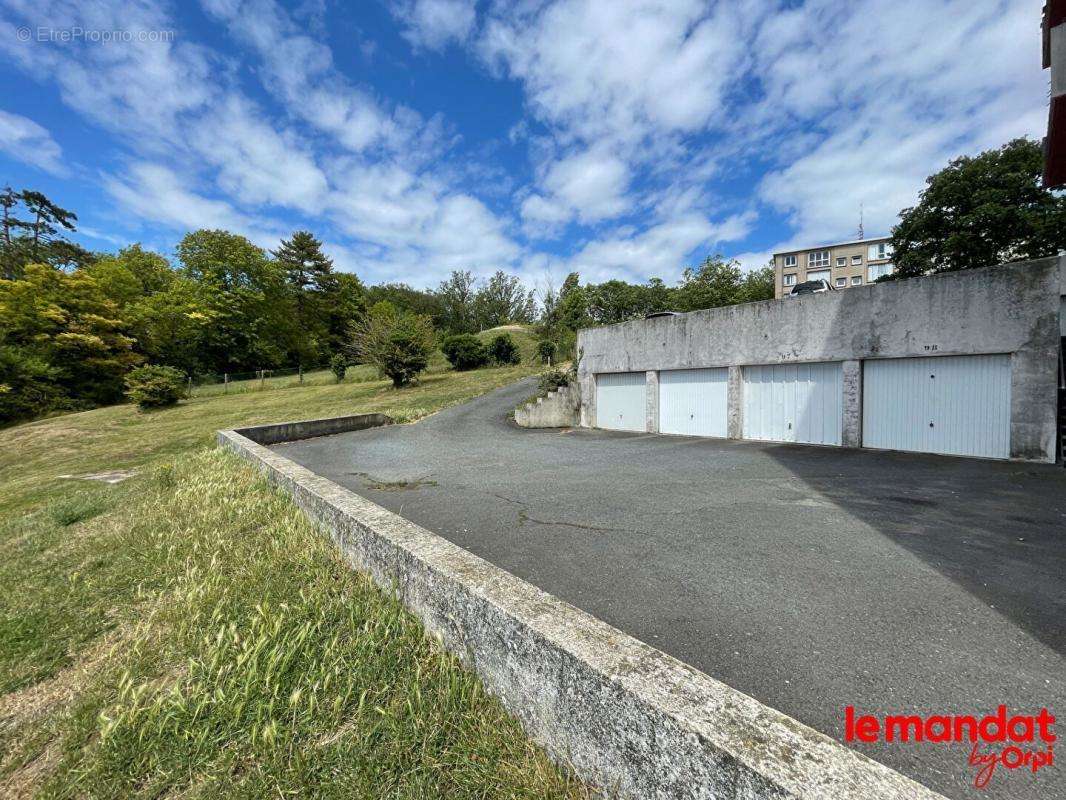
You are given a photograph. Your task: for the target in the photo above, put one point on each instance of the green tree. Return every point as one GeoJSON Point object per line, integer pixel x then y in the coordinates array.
{"type": "Point", "coordinates": [309, 274]}
{"type": "Point", "coordinates": [573, 304]}
{"type": "Point", "coordinates": [618, 301]}
{"type": "Point", "coordinates": [403, 298]}
{"type": "Point", "coordinates": [397, 342]}
{"type": "Point", "coordinates": [131, 274]}
{"type": "Point", "coordinates": [502, 300]}
{"type": "Point", "coordinates": [66, 322]}
{"type": "Point", "coordinates": [715, 282]}
{"type": "Point", "coordinates": [32, 231]}
{"type": "Point", "coordinates": [457, 297]}
{"type": "Point", "coordinates": [29, 386]}
{"type": "Point", "coordinates": [980, 211]}
{"type": "Point", "coordinates": [171, 326]}
{"type": "Point", "coordinates": [345, 304]}
{"type": "Point", "coordinates": [757, 285]}
{"type": "Point", "coordinates": [247, 298]}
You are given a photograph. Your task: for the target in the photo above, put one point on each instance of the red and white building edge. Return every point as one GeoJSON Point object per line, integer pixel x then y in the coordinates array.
{"type": "Point", "coordinates": [1054, 30]}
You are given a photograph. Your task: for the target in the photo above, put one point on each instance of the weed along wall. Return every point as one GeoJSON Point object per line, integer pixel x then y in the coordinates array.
{"type": "Point", "coordinates": [624, 715]}
{"type": "Point", "coordinates": [964, 363]}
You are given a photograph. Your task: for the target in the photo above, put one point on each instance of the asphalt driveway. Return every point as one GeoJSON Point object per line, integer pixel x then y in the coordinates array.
{"type": "Point", "coordinates": [810, 578]}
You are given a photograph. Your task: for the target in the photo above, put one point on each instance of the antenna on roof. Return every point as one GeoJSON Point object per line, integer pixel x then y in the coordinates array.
{"type": "Point", "coordinates": [862, 234]}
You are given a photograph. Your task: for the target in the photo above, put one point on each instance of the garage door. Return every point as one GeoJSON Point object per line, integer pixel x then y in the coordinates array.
{"type": "Point", "coordinates": [793, 403]}
{"type": "Point", "coordinates": [958, 405]}
{"type": "Point", "coordinates": [694, 402]}
{"type": "Point", "coordinates": [621, 403]}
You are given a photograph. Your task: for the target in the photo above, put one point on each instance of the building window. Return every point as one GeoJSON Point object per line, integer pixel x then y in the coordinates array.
{"type": "Point", "coordinates": [842, 261]}
{"type": "Point", "coordinates": [819, 258]}
{"type": "Point", "coordinates": [820, 275]}
{"type": "Point", "coordinates": [856, 259]}
{"type": "Point", "coordinates": [790, 261]}
{"type": "Point", "coordinates": [842, 282]}
{"type": "Point", "coordinates": [875, 271]}
{"type": "Point", "coordinates": [790, 279]}
{"type": "Point", "coordinates": [879, 252]}
{"type": "Point", "coordinates": [856, 280]}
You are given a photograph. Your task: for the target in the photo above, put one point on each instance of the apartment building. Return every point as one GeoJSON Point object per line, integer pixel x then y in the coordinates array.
{"type": "Point", "coordinates": [844, 265]}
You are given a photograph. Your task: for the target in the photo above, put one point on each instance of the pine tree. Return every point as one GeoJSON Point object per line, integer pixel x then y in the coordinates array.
{"type": "Point", "coordinates": [306, 267]}
{"type": "Point", "coordinates": [309, 274]}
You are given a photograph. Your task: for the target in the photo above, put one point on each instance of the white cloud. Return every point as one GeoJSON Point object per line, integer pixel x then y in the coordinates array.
{"type": "Point", "coordinates": [418, 228]}
{"type": "Point", "coordinates": [622, 70]}
{"type": "Point", "coordinates": [302, 73]}
{"type": "Point", "coordinates": [592, 183]}
{"type": "Point", "coordinates": [658, 251]}
{"type": "Point", "coordinates": [154, 192]}
{"type": "Point", "coordinates": [25, 140]}
{"type": "Point", "coordinates": [256, 163]}
{"type": "Point", "coordinates": [883, 122]}
{"type": "Point", "coordinates": [433, 24]}
{"type": "Point", "coordinates": [139, 89]}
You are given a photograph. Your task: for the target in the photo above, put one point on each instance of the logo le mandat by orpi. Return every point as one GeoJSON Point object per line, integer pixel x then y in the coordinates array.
{"type": "Point", "coordinates": [1015, 741]}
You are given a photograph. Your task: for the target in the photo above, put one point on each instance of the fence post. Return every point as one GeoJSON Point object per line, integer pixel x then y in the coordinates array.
{"type": "Point", "coordinates": [301, 368]}
{"type": "Point", "coordinates": [262, 378]}
{"type": "Point", "coordinates": [190, 386]}
{"type": "Point", "coordinates": [225, 383]}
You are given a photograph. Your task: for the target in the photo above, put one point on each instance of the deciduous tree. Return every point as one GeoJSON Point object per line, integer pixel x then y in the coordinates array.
{"type": "Point", "coordinates": [980, 211]}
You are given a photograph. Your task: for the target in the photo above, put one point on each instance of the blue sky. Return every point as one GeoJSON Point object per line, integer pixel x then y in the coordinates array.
{"type": "Point", "coordinates": [619, 138]}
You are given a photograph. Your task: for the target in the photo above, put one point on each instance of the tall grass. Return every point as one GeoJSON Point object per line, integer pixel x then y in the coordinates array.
{"type": "Point", "coordinates": [256, 663]}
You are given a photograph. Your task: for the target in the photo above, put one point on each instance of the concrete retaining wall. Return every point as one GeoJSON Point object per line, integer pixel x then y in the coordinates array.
{"type": "Point", "coordinates": [558, 409]}
{"type": "Point", "coordinates": [309, 429]}
{"type": "Point", "coordinates": [624, 715]}
{"type": "Point", "coordinates": [1011, 308]}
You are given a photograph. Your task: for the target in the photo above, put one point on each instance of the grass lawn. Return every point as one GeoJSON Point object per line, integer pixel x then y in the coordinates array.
{"type": "Point", "coordinates": [187, 632]}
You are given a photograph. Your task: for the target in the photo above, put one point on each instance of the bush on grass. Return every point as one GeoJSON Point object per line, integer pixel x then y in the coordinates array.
{"type": "Point", "coordinates": [465, 351]}
{"type": "Point", "coordinates": [503, 350]}
{"type": "Point", "coordinates": [155, 386]}
{"type": "Point", "coordinates": [556, 378]}
{"type": "Point", "coordinates": [545, 351]}
{"type": "Point", "coordinates": [339, 365]}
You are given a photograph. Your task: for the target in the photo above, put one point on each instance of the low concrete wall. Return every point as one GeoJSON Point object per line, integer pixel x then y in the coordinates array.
{"type": "Point", "coordinates": [309, 429]}
{"type": "Point", "coordinates": [624, 715]}
{"type": "Point", "coordinates": [558, 409]}
{"type": "Point", "coordinates": [1011, 308]}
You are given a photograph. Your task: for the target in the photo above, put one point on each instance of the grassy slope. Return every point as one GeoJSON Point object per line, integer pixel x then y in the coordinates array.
{"type": "Point", "coordinates": [187, 631]}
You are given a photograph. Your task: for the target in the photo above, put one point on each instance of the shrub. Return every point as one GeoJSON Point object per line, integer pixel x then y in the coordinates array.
{"type": "Point", "coordinates": [503, 350]}
{"type": "Point", "coordinates": [555, 378]}
{"type": "Point", "coordinates": [339, 365]}
{"type": "Point", "coordinates": [155, 386]}
{"type": "Point", "coordinates": [398, 343]}
{"type": "Point", "coordinates": [545, 351]}
{"type": "Point", "coordinates": [465, 351]}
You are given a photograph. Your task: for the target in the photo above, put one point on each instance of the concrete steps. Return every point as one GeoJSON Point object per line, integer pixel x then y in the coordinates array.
{"type": "Point", "coordinates": [557, 409]}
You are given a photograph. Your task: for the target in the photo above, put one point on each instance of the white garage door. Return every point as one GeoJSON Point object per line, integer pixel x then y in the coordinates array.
{"type": "Point", "coordinates": [958, 405]}
{"type": "Point", "coordinates": [793, 403]}
{"type": "Point", "coordinates": [621, 402]}
{"type": "Point", "coordinates": [694, 402]}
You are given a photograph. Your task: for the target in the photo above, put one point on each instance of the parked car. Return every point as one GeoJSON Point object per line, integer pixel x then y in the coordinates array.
{"type": "Point", "coordinates": [811, 287]}
{"type": "Point", "coordinates": [655, 314]}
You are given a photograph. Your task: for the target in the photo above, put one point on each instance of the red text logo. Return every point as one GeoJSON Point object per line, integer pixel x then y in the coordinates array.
{"type": "Point", "coordinates": [1012, 740]}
